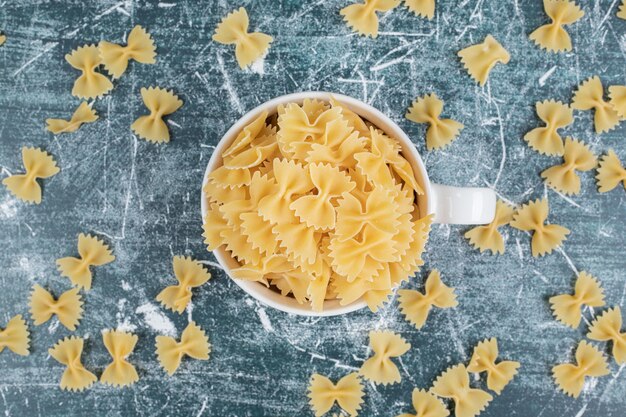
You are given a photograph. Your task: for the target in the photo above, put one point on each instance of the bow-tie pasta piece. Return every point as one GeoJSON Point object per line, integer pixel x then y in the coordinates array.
{"type": "Point", "coordinates": [249, 133]}
{"type": "Point", "coordinates": [273, 264]}
{"type": "Point", "coordinates": [553, 36]}
{"type": "Point", "coordinates": [189, 274]}
{"type": "Point", "coordinates": [622, 10]}
{"type": "Point", "coordinates": [37, 164]}
{"type": "Point", "coordinates": [214, 227]}
{"type": "Point", "coordinates": [454, 384]}
{"type": "Point", "coordinates": [249, 47]}
{"type": "Point", "coordinates": [587, 291]}
{"type": "Point", "coordinates": [140, 47]}
{"type": "Point", "coordinates": [423, 8]}
{"type": "Point", "coordinates": [484, 360]}
{"type": "Point", "coordinates": [83, 114]}
{"type": "Point", "coordinates": [68, 352]}
{"type": "Point", "coordinates": [347, 393]}
{"type": "Point", "coordinates": [608, 327]}
{"type": "Point", "coordinates": [480, 59]}
{"type": "Point", "coordinates": [15, 336]}
{"type": "Point", "coordinates": [353, 119]}
{"type": "Point", "coordinates": [362, 18]}
{"type": "Point", "coordinates": [488, 237]}
{"type": "Point", "coordinates": [590, 95]}
{"type": "Point", "coordinates": [577, 157]}
{"type": "Point", "coordinates": [340, 143]}
{"type": "Point", "coordinates": [426, 404]}
{"type": "Point", "coordinates": [379, 368]}
{"type": "Point", "coordinates": [441, 132]}
{"type": "Point", "coordinates": [120, 345]}
{"type": "Point", "coordinates": [193, 343]}
{"type": "Point", "coordinates": [610, 172]}
{"type": "Point", "coordinates": [617, 95]}
{"type": "Point", "coordinates": [409, 263]}
{"type": "Point", "coordinates": [546, 140]}
{"type": "Point", "coordinates": [546, 237]}
{"type": "Point", "coordinates": [416, 306]}
{"type": "Point", "coordinates": [590, 362]}
{"type": "Point", "coordinates": [298, 129]}
{"type": "Point", "coordinates": [90, 84]}
{"type": "Point", "coordinates": [93, 252]}
{"type": "Point", "coordinates": [68, 307]}
{"type": "Point", "coordinates": [161, 103]}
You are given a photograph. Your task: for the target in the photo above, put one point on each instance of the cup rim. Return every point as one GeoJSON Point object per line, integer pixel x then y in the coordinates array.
{"type": "Point", "coordinates": [257, 290]}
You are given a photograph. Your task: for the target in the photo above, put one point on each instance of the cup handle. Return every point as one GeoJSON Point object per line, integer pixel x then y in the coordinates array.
{"type": "Point", "coordinates": [457, 205]}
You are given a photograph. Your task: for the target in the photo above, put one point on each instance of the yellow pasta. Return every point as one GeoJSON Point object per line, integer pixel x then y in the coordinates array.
{"type": "Point", "coordinates": [15, 336]}
{"type": "Point", "coordinates": [553, 36]}
{"type": "Point", "coordinates": [424, 8]}
{"type": "Point", "coordinates": [621, 13]}
{"type": "Point", "coordinates": [3, 39]}
{"type": "Point", "coordinates": [454, 384]}
{"type": "Point", "coordinates": [484, 360]}
{"type": "Point", "coordinates": [120, 345]}
{"type": "Point", "coordinates": [83, 114]}
{"type": "Point", "coordinates": [140, 47]}
{"type": "Point", "coordinates": [214, 226]}
{"type": "Point", "coordinates": [607, 327]}
{"type": "Point", "coordinates": [362, 18]}
{"type": "Point", "coordinates": [340, 143]}
{"type": "Point", "coordinates": [617, 94]}
{"type": "Point", "coordinates": [416, 306]}
{"type": "Point", "coordinates": [68, 352]}
{"type": "Point", "coordinates": [93, 252]}
{"type": "Point", "coordinates": [379, 368]}
{"type": "Point", "coordinates": [90, 84]}
{"type": "Point", "coordinates": [590, 362]}
{"type": "Point", "coordinates": [480, 59]}
{"type": "Point", "coordinates": [298, 129]}
{"type": "Point", "coordinates": [378, 211]}
{"type": "Point", "coordinates": [273, 264]}
{"type": "Point", "coordinates": [488, 237]}
{"type": "Point", "coordinates": [555, 115]}
{"type": "Point", "coordinates": [610, 172]}
{"type": "Point", "coordinates": [426, 404]}
{"type": "Point", "coordinates": [587, 291]}
{"type": "Point", "coordinates": [161, 103]}
{"type": "Point", "coordinates": [577, 157]}
{"type": "Point", "coordinates": [441, 132]}
{"type": "Point", "coordinates": [189, 274]}
{"type": "Point", "coordinates": [546, 237]}
{"type": "Point", "coordinates": [68, 307]}
{"type": "Point", "coordinates": [347, 393]}
{"type": "Point", "coordinates": [193, 343]}
{"type": "Point", "coordinates": [590, 95]}
{"type": "Point", "coordinates": [249, 47]}
{"type": "Point", "coordinates": [37, 164]}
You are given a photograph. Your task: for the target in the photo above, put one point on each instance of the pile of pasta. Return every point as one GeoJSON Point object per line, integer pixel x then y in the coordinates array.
{"type": "Point", "coordinates": [319, 204]}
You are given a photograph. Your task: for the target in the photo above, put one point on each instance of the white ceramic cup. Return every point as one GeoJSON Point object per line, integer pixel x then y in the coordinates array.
{"type": "Point", "coordinates": [451, 205]}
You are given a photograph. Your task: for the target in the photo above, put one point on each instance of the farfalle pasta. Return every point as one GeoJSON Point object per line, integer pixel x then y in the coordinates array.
{"type": "Point", "coordinates": [139, 47]}
{"type": "Point", "coordinates": [90, 84]}
{"type": "Point", "coordinates": [426, 404]}
{"type": "Point", "coordinates": [532, 217]}
{"type": "Point", "coordinates": [249, 47]}
{"type": "Point", "coordinates": [362, 17]}
{"type": "Point", "coordinates": [553, 37]}
{"type": "Point", "coordinates": [380, 368]}
{"type": "Point", "coordinates": [93, 252]}
{"type": "Point", "coordinates": [68, 307]}
{"type": "Point", "coordinates": [555, 115]}
{"type": "Point", "coordinates": [416, 306]}
{"type": "Point", "coordinates": [423, 8]}
{"type": "Point", "coordinates": [577, 157]}
{"type": "Point", "coordinates": [193, 343]}
{"type": "Point", "coordinates": [488, 237]}
{"type": "Point", "coordinates": [37, 164]}
{"type": "Point", "coordinates": [189, 274]}
{"type": "Point", "coordinates": [590, 362]}
{"type": "Point", "coordinates": [484, 360]}
{"type": "Point", "coordinates": [161, 103]}
{"type": "Point", "coordinates": [617, 95]}
{"type": "Point", "coordinates": [480, 59]}
{"type": "Point", "coordinates": [441, 132]}
{"type": "Point", "coordinates": [587, 291]}
{"type": "Point", "coordinates": [347, 393]}
{"type": "Point", "coordinates": [621, 13]}
{"type": "Point", "coordinates": [68, 352]}
{"type": "Point", "coordinates": [120, 345]}
{"type": "Point", "coordinates": [83, 114]}
{"type": "Point", "coordinates": [608, 327]}
{"type": "Point", "coordinates": [610, 172]}
{"type": "Point", "coordinates": [590, 95]}
{"type": "Point", "coordinates": [454, 384]}
{"type": "Point", "coordinates": [15, 336]}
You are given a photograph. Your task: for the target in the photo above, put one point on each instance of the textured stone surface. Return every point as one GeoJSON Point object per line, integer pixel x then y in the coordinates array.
{"type": "Point", "coordinates": [144, 200]}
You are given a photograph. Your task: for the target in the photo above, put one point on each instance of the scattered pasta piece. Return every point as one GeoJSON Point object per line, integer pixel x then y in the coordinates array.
{"type": "Point", "coordinates": [37, 164]}
{"type": "Point", "coordinates": [189, 274]}
{"type": "Point", "coordinates": [423, 8]}
{"type": "Point", "coordinates": [546, 237]}
{"type": "Point", "coordinates": [426, 405]}
{"type": "Point", "coordinates": [480, 59]}
{"type": "Point", "coordinates": [416, 306]}
{"type": "Point", "coordinates": [15, 336]}
{"type": "Point", "coordinates": [617, 94]}
{"type": "Point", "coordinates": [193, 343]}
{"type": "Point", "coordinates": [68, 352]}
{"type": "Point", "coordinates": [120, 345]}
{"type": "Point", "coordinates": [90, 84]}
{"type": "Point", "coordinates": [140, 47]}
{"type": "Point", "coordinates": [93, 252]}
{"type": "Point", "coordinates": [348, 393]}
{"type": "Point", "coordinates": [3, 39]}
{"type": "Point", "coordinates": [577, 157]}
{"type": "Point", "coordinates": [587, 291]}
{"type": "Point", "coordinates": [379, 368]}
{"type": "Point", "coordinates": [362, 18]}
{"type": "Point", "coordinates": [249, 47]}
{"type": "Point", "coordinates": [488, 237]}
{"type": "Point", "coordinates": [590, 95]}
{"type": "Point", "coordinates": [610, 172]}
{"type": "Point", "coordinates": [590, 362]}
{"type": "Point", "coordinates": [608, 327]}
{"type": "Point", "coordinates": [68, 307]}
{"type": "Point", "coordinates": [484, 360]}
{"type": "Point", "coordinates": [441, 132]}
{"type": "Point", "coordinates": [454, 384]}
{"type": "Point", "coordinates": [556, 115]}
{"type": "Point", "coordinates": [622, 10]}
{"type": "Point", "coordinates": [160, 102]}
{"type": "Point", "coordinates": [83, 114]}
{"type": "Point", "coordinates": [553, 36]}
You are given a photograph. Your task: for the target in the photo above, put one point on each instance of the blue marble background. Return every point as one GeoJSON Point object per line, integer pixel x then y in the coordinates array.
{"type": "Point", "coordinates": [144, 200]}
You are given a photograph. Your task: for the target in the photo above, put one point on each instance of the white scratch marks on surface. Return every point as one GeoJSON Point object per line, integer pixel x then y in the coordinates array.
{"type": "Point", "coordinates": [213, 264]}
{"type": "Point", "coordinates": [502, 143]}
{"type": "Point", "coordinates": [109, 10]}
{"type": "Point", "coordinates": [166, 5]}
{"type": "Point", "coordinates": [203, 407]}
{"type": "Point", "coordinates": [156, 320]}
{"type": "Point", "coordinates": [265, 320]}
{"type": "Point", "coordinates": [582, 411]}
{"type": "Point", "coordinates": [548, 74]}
{"type": "Point", "coordinates": [389, 63]}
{"type": "Point", "coordinates": [47, 48]}
{"type": "Point", "coordinates": [567, 258]}
{"type": "Point", "coordinates": [234, 98]}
